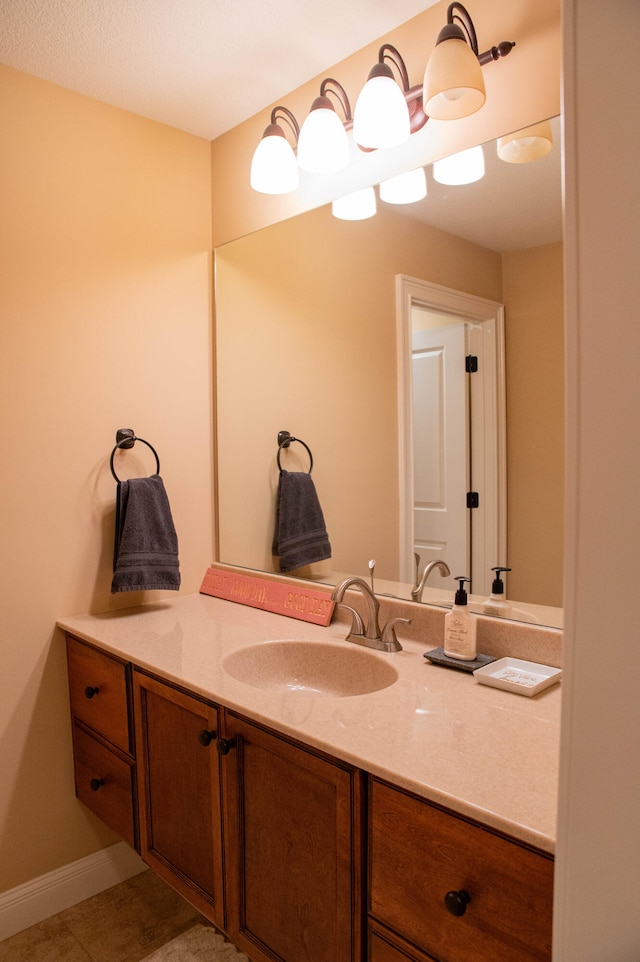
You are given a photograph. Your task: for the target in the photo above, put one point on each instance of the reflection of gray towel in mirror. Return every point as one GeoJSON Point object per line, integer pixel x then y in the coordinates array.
{"type": "Point", "coordinates": [146, 544]}
{"type": "Point", "coordinates": [300, 536]}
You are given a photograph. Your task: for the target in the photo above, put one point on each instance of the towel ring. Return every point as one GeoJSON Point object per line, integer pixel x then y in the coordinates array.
{"type": "Point", "coordinates": [284, 440]}
{"type": "Point", "coordinates": [125, 438]}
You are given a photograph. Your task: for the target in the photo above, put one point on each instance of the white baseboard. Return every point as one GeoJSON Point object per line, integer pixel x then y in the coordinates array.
{"type": "Point", "coordinates": [49, 894]}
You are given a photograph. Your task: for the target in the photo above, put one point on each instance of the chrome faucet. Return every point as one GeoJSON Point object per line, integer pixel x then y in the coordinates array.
{"type": "Point", "coordinates": [368, 636]}
{"type": "Point", "coordinates": [418, 588]}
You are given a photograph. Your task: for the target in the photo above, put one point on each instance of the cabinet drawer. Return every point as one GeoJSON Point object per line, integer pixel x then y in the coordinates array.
{"type": "Point", "coordinates": [419, 853]}
{"type": "Point", "coordinates": [98, 691]}
{"type": "Point", "coordinates": [385, 947]}
{"type": "Point", "coordinates": [105, 783]}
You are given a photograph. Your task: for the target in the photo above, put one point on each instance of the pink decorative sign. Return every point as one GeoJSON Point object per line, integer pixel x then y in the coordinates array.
{"type": "Point", "coordinates": [294, 601]}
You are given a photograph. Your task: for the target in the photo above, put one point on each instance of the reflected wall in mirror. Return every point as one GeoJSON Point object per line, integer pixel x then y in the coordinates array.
{"type": "Point", "coordinates": [306, 342]}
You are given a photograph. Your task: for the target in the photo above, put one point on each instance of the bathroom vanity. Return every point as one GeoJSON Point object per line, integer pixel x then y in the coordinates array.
{"type": "Point", "coordinates": [415, 821]}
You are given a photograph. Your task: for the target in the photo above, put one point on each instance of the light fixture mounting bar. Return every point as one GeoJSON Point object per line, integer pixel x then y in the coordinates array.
{"type": "Point", "coordinates": [494, 53]}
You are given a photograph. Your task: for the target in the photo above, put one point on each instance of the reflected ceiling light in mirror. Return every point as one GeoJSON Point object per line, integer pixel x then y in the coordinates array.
{"type": "Point", "coordinates": [453, 83]}
{"type": "Point", "coordinates": [465, 167]}
{"type": "Point", "coordinates": [359, 205]}
{"type": "Point", "coordinates": [527, 144]}
{"type": "Point", "coordinates": [405, 188]}
{"type": "Point", "coordinates": [323, 144]}
{"type": "Point", "coordinates": [274, 168]}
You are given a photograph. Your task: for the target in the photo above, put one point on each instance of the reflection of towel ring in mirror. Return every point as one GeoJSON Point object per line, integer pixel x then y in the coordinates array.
{"type": "Point", "coordinates": [125, 438]}
{"type": "Point", "coordinates": [284, 440]}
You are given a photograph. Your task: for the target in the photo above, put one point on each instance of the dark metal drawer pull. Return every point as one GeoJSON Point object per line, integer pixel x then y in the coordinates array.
{"type": "Point", "coordinates": [456, 902]}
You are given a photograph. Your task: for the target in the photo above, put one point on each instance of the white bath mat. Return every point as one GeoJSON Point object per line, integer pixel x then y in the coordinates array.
{"type": "Point", "coordinates": [199, 944]}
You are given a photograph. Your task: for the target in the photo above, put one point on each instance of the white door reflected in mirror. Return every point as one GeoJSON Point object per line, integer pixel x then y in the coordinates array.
{"type": "Point", "coordinates": [441, 445]}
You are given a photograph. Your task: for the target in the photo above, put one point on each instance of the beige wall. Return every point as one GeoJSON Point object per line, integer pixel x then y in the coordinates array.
{"type": "Point", "coordinates": [534, 336]}
{"type": "Point", "coordinates": [306, 342]}
{"type": "Point", "coordinates": [105, 323]}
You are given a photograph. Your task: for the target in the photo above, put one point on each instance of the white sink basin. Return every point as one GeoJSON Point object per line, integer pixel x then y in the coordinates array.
{"type": "Point", "coordinates": [310, 666]}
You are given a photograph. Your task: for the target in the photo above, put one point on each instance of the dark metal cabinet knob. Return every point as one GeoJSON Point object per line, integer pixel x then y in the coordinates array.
{"type": "Point", "coordinates": [225, 745]}
{"type": "Point", "coordinates": [96, 783]}
{"type": "Point", "coordinates": [91, 690]}
{"type": "Point", "coordinates": [456, 902]}
{"type": "Point", "coordinates": [206, 737]}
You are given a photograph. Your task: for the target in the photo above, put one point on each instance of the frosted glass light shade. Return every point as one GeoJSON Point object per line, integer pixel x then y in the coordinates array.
{"type": "Point", "coordinates": [453, 82]}
{"type": "Point", "coordinates": [405, 188]}
{"type": "Point", "coordinates": [274, 169]}
{"type": "Point", "coordinates": [527, 144]}
{"type": "Point", "coordinates": [464, 167]}
{"type": "Point", "coordinates": [381, 115]}
{"type": "Point", "coordinates": [323, 145]}
{"type": "Point", "coordinates": [359, 205]}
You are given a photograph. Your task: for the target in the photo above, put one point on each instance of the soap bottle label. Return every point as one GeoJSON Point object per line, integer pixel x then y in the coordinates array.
{"type": "Point", "coordinates": [459, 636]}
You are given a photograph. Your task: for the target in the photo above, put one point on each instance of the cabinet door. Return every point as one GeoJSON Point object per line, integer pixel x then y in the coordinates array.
{"type": "Point", "coordinates": [179, 786]}
{"type": "Point", "coordinates": [292, 835]}
{"type": "Point", "coordinates": [419, 855]}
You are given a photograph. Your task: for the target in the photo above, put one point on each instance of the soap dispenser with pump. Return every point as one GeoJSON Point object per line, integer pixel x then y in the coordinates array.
{"type": "Point", "coordinates": [496, 604]}
{"type": "Point", "coordinates": [460, 627]}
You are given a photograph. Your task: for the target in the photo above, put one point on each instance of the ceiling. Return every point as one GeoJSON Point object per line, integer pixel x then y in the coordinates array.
{"type": "Point", "coordinates": [202, 66]}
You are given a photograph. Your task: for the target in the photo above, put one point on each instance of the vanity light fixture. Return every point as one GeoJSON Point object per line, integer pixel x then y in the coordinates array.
{"type": "Point", "coordinates": [465, 167]}
{"type": "Point", "coordinates": [527, 144]}
{"type": "Point", "coordinates": [453, 83]}
{"type": "Point", "coordinates": [404, 188]}
{"type": "Point", "coordinates": [381, 117]}
{"type": "Point", "coordinates": [323, 144]}
{"type": "Point", "coordinates": [359, 205]}
{"type": "Point", "coordinates": [387, 112]}
{"type": "Point", "coordinates": [274, 168]}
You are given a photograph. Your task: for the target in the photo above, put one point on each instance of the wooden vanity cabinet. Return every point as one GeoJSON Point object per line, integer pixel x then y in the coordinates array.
{"type": "Point", "coordinates": [422, 858]}
{"type": "Point", "coordinates": [293, 849]}
{"type": "Point", "coordinates": [179, 789]}
{"type": "Point", "coordinates": [290, 886]}
{"type": "Point", "coordinates": [104, 762]}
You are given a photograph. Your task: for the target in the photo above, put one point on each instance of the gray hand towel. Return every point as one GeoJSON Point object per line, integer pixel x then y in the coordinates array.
{"type": "Point", "coordinates": [146, 544]}
{"type": "Point", "coordinates": [300, 536]}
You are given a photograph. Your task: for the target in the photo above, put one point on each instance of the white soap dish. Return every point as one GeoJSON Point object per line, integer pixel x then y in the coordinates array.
{"type": "Point", "coordinates": [522, 677]}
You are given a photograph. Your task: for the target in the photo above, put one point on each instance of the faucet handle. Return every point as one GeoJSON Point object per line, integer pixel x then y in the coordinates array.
{"type": "Point", "coordinates": [357, 625]}
{"type": "Point", "coordinates": [389, 638]}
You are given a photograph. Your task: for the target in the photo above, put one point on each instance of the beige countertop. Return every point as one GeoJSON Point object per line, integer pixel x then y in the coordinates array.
{"type": "Point", "coordinates": [480, 751]}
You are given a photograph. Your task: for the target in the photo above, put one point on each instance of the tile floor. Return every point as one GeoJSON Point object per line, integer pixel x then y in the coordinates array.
{"type": "Point", "coordinates": [125, 923]}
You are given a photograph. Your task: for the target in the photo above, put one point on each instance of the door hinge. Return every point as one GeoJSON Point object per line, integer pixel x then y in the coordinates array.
{"type": "Point", "coordinates": [473, 499]}
{"type": "Point", "coordinates": [471, 364]}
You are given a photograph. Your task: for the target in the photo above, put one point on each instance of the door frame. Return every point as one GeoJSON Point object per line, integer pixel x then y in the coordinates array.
{"type": "Point", "coordinates": [489, 451]}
